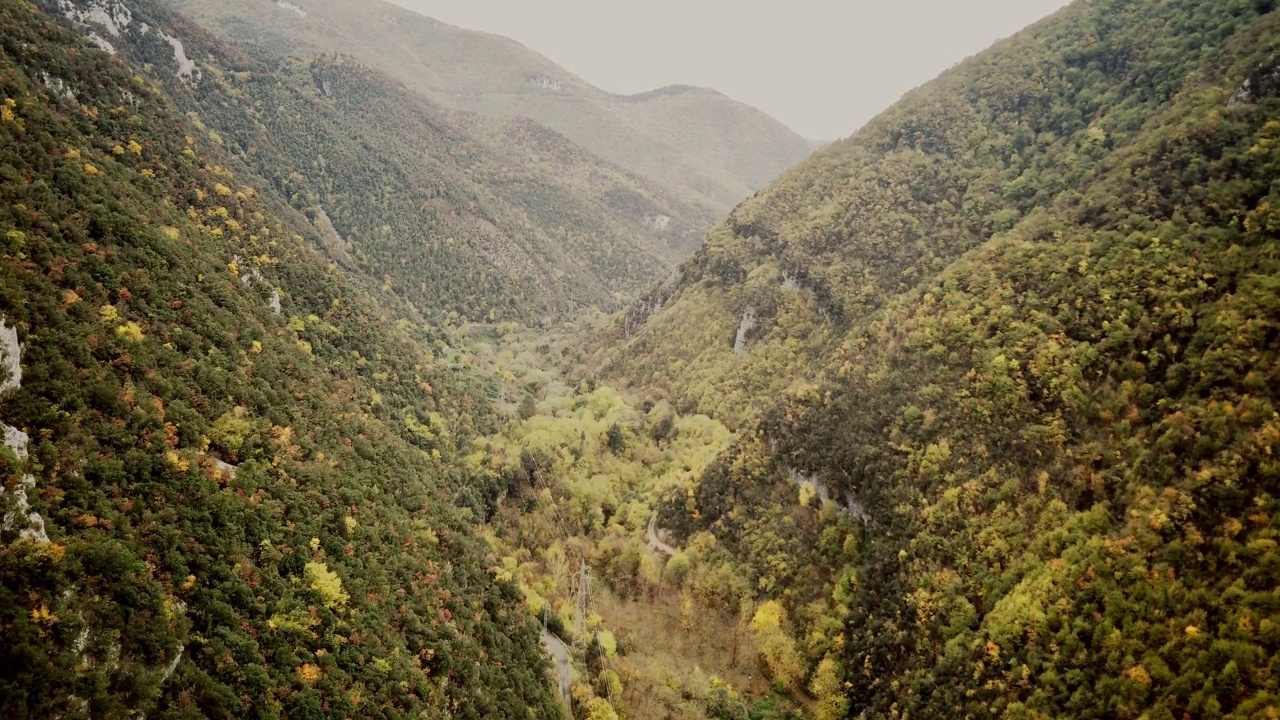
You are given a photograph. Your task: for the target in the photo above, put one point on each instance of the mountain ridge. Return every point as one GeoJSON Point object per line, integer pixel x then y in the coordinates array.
{"type": "Point", "coordinates": [493, 75]}
{"type": "Point", "coordinates": [826, 224]}
{"type": "Point", "coordinates": [434, 201]}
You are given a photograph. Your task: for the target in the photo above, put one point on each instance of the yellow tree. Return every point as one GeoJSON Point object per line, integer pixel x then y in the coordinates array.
{"type": "Point", "coordinates": [828, 688]}
{"type": "Point", "coordinates": [777, 647]}
{"type": "Point", "coordinates": [327, 584]}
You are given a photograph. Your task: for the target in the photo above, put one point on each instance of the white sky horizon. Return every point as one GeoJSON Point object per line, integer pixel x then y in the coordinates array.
{"type": "Point", "coordinates": [821, 67]}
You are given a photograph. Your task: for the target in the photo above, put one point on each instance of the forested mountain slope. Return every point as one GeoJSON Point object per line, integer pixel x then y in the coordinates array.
{"type": "Point", "coordinates": [693, 142]}
{"type": "Point", "coordinates": [1028, 318]}
{"type": "Point", "coordinates": [228, 474]}
{"type": "Point", "coordinates": [1020, 129]}
{"type": "Point", "coordinates": [411, 193]}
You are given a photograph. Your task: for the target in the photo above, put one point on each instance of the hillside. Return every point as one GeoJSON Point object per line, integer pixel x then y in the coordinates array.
{"type": "Point", "coordinates": [1024, 327]}
{"type": "Point", "coordinates": [412, 194]}
{"type": "Point", "coordinates": [996, 141]}
{"type": "Point", "coordinates": [693, 142]}
{"type": "Point", "coordinates": [229, 468]}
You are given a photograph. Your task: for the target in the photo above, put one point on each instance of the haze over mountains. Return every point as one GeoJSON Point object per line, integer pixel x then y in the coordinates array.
{"type": "Point", "coordinates": [435, 202]}
{"type": "Point", "coordinates": [313, 407]}
{"type": "Point", "coordinates": [708, 148]}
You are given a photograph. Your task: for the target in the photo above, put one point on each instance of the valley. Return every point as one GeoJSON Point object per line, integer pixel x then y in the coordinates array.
{"type": "Point", "coordinates": [356, 365]}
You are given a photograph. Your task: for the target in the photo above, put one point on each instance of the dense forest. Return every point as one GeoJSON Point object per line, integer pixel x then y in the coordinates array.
{"type": "Point", "coordinates": [1005, 136]}
{"type": "Point", "coordinates": [1042, 295]}
{"type": "Point", "coordinates": [236, 463]}
{"type": "Point", "coordinates": [313, 407]}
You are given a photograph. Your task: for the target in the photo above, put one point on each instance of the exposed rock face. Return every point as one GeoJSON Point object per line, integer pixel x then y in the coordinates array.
{"type": "Point", "coordinates": [10, 359]}
{"type": "Point", "coordinates": [657, 222]}
{"type": "Point", "coordinates": [849, 504]}
{"type": "Point", "coordinates": [546, 82]}
{"type": "Point", "coordinates": [59, 86]}
{"type": "Point", "coordinates": [651, 304]}
{"type": "Point", "coordinates": [1262, 83]}
{"type": "Point", "coordinates": [225, 467]}
{"type": "Point", "coordinates": [641, 311]}
{"type": "Point", "coordinates": [168, 670]}
{"type": "Point", "coordinates": [114, 17]}
{"type": "Point", "coordinates": [187, 70]}
{"type": "Point", "coordinates": [17, 441]}
{"type": "Point", "coordinates": [251, 276]}
{"type": "Point", "coordinates": [744, 328]}
{"type": "Point", "coordinates": [292, 7]}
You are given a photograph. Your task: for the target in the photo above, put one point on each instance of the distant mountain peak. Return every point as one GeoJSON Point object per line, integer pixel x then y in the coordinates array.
{"type": "Point", "coordinates": [677, 89]}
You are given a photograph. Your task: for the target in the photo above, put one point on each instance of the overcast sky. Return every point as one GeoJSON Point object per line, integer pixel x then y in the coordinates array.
{"type": "Point", "coordinates": [823, 67]}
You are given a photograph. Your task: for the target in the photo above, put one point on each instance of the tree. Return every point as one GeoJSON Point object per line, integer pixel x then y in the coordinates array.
{"type": "Point", "coordinates": [777, 647]}
{"type": "Point", "coordinates": [616, 439]}
{"type": "Point", "coordinates": [828, 689]}
{"type": "Point", "coordinates": [327, 584]}
{"type": "Point", "coordinates": [231, 429]}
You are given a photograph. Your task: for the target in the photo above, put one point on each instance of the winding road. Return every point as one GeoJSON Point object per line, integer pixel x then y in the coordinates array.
{"type": "Point", "coordinates": [555, 647]}
{"type": "Point", "coordinates": [655, 542]}
{"type": "Point", "coordinates": [560, 656]}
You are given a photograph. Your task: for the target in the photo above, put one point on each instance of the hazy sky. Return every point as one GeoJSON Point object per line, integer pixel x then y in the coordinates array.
{"type": "Point", "coordinates": [824, 67]}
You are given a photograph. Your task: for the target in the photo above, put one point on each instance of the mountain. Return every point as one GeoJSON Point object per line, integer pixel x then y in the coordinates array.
{"type": "Point", "coordinates": [1023, 329]}
{"type": "Point", "coordinates": [693, 142]}
{"type": "Point", "coordinates": [1000, 139]}
{"type": "Point", "coordinates": [230, 470]}
{"type": "Point", "coordinates": [437, 203]}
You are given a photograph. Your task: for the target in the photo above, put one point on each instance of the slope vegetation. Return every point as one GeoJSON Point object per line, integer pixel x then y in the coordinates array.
{"type": "Point", "coordinates": [227, 473]}
{"type": "Point", "coordinates": [1027, 321]}
{"type": "Point", "coordinates": [410, 193]}
{"type": "Point", "coordinates": [693, 142]}
{"type": "Point", "coordinates": [1002, 138]}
